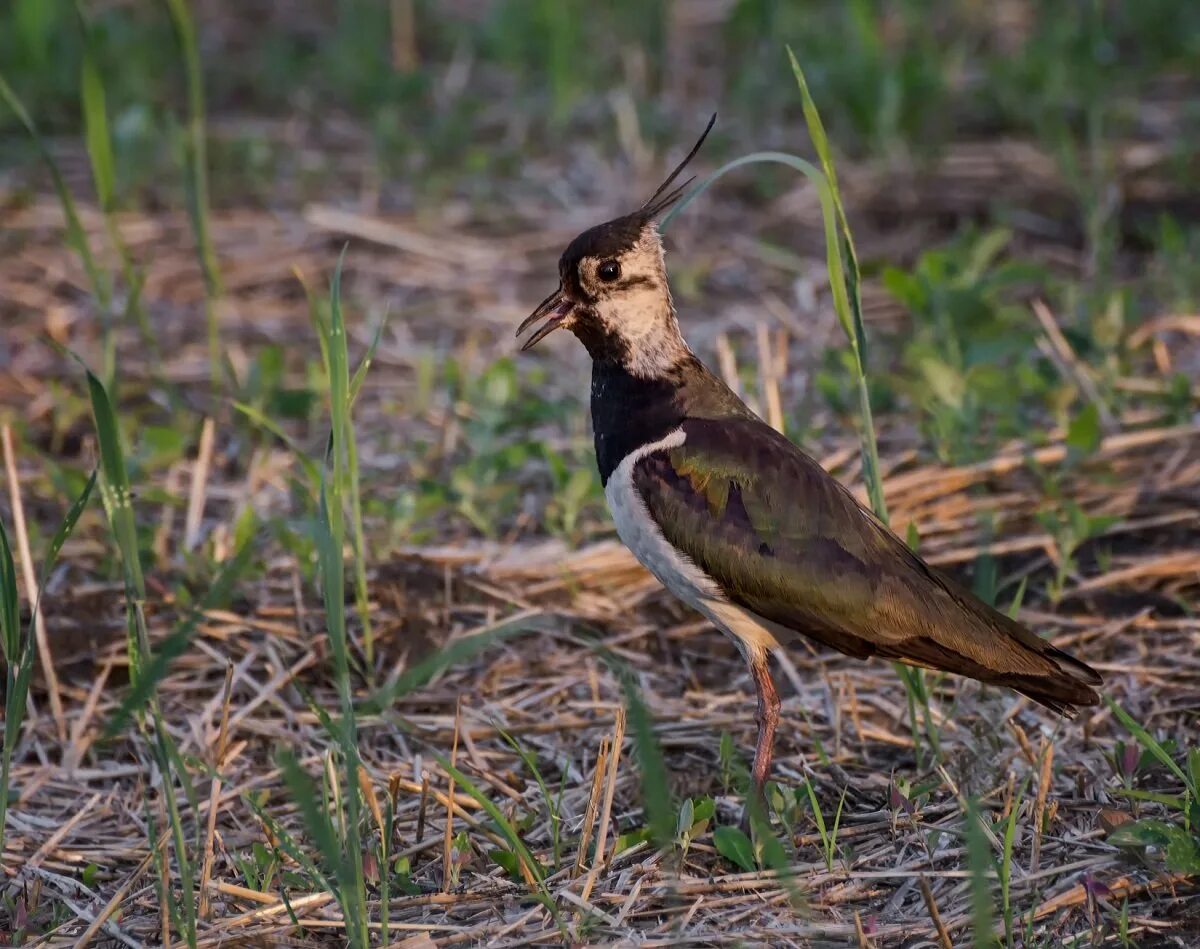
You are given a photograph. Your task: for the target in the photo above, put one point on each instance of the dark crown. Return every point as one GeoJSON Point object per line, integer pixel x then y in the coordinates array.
{"type": "Point", "coordinates": [614, 237]}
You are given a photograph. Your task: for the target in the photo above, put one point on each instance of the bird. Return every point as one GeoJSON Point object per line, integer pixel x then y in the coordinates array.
{"type": "Point", "coordinates": [742, 525]}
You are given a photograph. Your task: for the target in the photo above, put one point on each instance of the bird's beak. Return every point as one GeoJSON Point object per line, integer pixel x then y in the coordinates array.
{"type": "Point", "coordinates": [554, 310]}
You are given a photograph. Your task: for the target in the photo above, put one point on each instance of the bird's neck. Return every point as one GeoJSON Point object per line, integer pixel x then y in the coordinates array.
{"type": "Point", "coordinates": [629, 411]}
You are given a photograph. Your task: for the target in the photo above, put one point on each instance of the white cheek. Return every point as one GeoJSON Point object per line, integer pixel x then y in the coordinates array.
{"type": "Point", "coordinates": [637, 314]}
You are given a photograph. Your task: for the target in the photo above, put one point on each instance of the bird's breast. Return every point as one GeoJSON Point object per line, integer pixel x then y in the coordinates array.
{"type": "Point", "coordinates": [678, 573]}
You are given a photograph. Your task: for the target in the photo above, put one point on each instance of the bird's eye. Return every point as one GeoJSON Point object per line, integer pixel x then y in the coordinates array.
{"type": "Point", "coordinates": [609, 271]}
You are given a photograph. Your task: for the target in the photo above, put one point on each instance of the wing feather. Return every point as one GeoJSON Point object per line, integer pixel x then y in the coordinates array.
{"type": "Point", "coordinates": [786, 541]}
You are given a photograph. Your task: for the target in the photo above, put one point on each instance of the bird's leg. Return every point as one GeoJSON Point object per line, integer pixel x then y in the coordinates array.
{"type": "Point", "coordinates": [768, 719]}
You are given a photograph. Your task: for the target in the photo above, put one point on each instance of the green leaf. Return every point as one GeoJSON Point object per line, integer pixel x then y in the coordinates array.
{"type": "Point", "coordinates": [705, 809]}
{"type": "Point", "coordinates": [734, 846]}
{"type": "Point", "coordinates": [1183, 853]}
{"type": "Point", "coordinates": [1144, 833]}
{"type": "Point", "coordinates": [1084, 434]}
{"type": "Point", "coordinates": [687, 817]}
{"type": "Point", "coordinates": [945, 382]}
{"type": "Point", "coordinates": [508, 861]}
{"type": "Point", "coordinates": [631, 839]}
{"type": "Point", "coordinates": [90, 874]}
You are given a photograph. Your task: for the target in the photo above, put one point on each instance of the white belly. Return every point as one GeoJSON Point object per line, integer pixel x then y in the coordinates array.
{"type": "Point", "coordinates": [677, 573]}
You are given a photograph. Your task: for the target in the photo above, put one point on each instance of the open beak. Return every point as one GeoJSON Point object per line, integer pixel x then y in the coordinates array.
{"type": "Point", "coordinates": [554, 309]}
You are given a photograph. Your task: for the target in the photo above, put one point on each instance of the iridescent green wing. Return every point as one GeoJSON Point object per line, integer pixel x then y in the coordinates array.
{"type": "Point", "coordinates": [784, 540]}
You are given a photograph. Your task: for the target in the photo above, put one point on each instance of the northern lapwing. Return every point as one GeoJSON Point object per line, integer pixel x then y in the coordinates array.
{"type": "Point", "coordinates": [742, 525]}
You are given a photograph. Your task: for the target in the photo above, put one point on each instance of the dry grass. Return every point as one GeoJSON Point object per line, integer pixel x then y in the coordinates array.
{"type": "Point", "coordinates": [900, 874]}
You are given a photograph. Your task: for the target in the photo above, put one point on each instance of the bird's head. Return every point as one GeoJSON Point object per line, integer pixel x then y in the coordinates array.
{"type": "Point", "coordinates": [612, 291]}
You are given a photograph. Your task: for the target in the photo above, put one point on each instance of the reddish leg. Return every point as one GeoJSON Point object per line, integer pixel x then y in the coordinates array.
{"type": "Point", "coordinates": [768, 719]}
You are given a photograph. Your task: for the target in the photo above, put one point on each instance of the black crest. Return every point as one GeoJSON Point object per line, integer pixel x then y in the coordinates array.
{"type": "Point", "coordinates": [658, 202]}
{"type": "Point", "coordinates": [613, 237]}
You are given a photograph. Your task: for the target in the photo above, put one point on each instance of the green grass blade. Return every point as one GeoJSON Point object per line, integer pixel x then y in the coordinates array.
{"type": "Point", "coordinates": [18, 655]}
{"type": "Point", "coordinates": [839, 284]}
{"type": "Point", "coordinates": [1010, 836]}
{"type": "Point", "coordinates": [816, 131]}
{"type": "Point", "coordinates": [837, 826]}
{"type": "Point", "coordinates": [316, 819]}
{"type": "Point", "coordinates": [818, 815]}
{"type": "Point", "coordinates": [460, 650]}
{"type": "Point", "coordinates": [97, 135]}
{"type": "Point", "coordinates": [552, 811]}
{"type": "Point", "coordinates": [64, 531]}
{"type": "Point", "coordinates": [346, 474]}
{"type": "Point", "coordinates": [360, 374]}
{"type": "Point", "coordinates": [979, 860]}
{"type": "Point", "coordinates": [117, 496]}
{"type": "Point", "coordinates": [311, 472]}
{"type": "Point", "coordinates": [1150, 743]}
{"type": "Point", "coordinates": [196, 166]}
{"type": "Point", "coordinates": [656, 793]}
{"type": "Point", "coordinates": [851, 318]}
{"type": "Point", "coordinates": [531, 863]}
{"type": "Point", "coordinates": [1018, 598]}
{"type": "Point", "coordinates": [350, 888]}
{"type": "Point", "coordinates": [331, 568]}
{"type": "Point", "coordinates": [116, 493]}
{"type": "Point", "coordinates": [330, 537]}
{"type": "Point", "coordinates": [176, 643]}
{"type": "Point", "coordinates": [76, 236]}
{"type": "Point", "coordinates": [95, 121]}
{"type": "Point", "coordinates": [286, 842]}
{"type": "Point", "coordinates": [10, 611]}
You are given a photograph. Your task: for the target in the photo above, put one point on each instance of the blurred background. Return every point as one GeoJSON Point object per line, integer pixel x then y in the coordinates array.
{"type": "Point", "coordinates": [1022, 184]}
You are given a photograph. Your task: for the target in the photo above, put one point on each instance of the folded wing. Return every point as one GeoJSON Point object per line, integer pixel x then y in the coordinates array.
{"type": "Point", "coordinates": [784, 540]}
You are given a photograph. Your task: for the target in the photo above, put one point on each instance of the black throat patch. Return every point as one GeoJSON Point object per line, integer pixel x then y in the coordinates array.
{"type": "Point", "coordinates": [603, 343]}
{"type": "Point", "coordinates": [629, 412]}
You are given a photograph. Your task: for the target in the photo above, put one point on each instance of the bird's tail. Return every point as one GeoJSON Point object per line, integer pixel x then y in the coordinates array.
{"type": "Point", "coordinates": [1073, 686]}
{"type": "Point", "coordinates": [1035, 667]}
